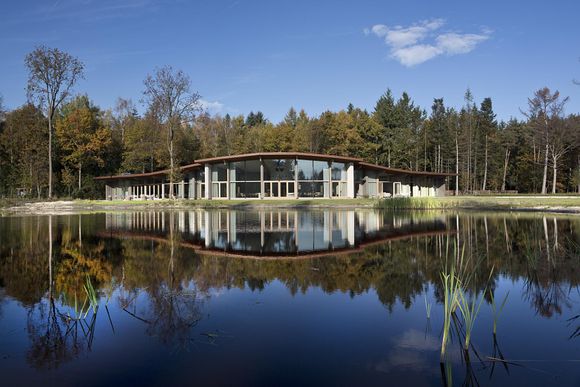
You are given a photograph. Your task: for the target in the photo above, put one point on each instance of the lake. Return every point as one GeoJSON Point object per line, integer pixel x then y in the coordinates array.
{"type": "Point", "coordinates": [285, 297]}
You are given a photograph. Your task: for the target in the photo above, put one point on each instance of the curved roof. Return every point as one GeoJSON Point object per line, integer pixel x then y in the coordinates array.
{"type": "Point", "coordinates": [275, 155]}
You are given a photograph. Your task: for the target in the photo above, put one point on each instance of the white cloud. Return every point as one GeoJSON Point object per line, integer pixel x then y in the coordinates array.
{"type": "Point", "coordinates": [414, 55]}
{"type": "Point", "coordinates": [453, 43]}
{"type": "Point", "coordinates": [421, 41]}
{"type": "Point", "coordinates": [212, 107]}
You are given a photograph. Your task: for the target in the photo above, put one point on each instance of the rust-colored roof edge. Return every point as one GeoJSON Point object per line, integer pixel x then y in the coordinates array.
{"type": "Point", "coordinates": [273, 155]}
{"type": "Point", "coordinates": [147, 174]}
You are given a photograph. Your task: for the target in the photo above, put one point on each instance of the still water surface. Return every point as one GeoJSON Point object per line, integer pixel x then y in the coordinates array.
{"type": "Point", "coordinates": [285, 297]}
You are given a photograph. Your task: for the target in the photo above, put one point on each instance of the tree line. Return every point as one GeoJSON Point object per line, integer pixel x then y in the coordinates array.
{"type": "Point", "coordinates": [58, 141]}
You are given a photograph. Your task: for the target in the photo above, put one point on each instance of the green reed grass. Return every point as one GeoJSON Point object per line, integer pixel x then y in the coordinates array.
{"type": "Point", "coordinates": [427, 307]}
{"type": "Point", "coordinates": [451, 289]}
{"type": "Point", "coordinates": [497, 311]}
{"type": "Point", "coordinates": [425, 203]}
{"type": "Point", "coordinates": [90, 303]}
{"type": "Point", "coordinates": [91, 295]}
{"type": "Point", "coordinates": [469, 307]}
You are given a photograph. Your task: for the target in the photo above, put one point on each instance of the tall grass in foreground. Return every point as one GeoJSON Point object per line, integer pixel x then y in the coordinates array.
{"type": "Point", "coordinates": [427, 307]}
{"type": "Point", "coordinates": [425, 203]}
{"type": "Point", "coordinates": [90, 302]}
{"type": "Point", "coordinates": [451, 289]}
{"type": "Point", "coordinates": [455, 280]}
{"type": "Point", "coordinates": [497, 311]}
{"type": "Point", "coordinates": [469, 310]}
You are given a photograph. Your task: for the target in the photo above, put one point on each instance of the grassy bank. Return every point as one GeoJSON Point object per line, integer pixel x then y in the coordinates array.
{"type": "Point", "coordinates": [562, 203]}
{"type": "Point", "coordinates": [218, 203]}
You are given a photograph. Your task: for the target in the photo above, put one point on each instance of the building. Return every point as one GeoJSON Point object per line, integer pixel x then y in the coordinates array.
{"type": "Point", "coordinates": [277, 175]}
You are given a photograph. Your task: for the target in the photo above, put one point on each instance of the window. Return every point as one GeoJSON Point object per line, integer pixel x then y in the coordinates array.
{"type": "Point", "coordinates": [244, 189]}
{"type": "Point", "coordinates": [219, 190]}
{"type": "Point", "coordinates": [305, 171]}
{"type": "Point", "coordinates": [314, 189]}
{"type": "Point", "coordinates": [279, 169]}
{"type": "Point", "coordinates": [320, 170]}
{"type": "Point", "coordinates": [338, 171]}
{"type": "Point", "coordinates": [219, 172]}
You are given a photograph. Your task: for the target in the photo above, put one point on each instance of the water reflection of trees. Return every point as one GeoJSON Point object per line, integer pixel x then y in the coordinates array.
{"type": "Point", "coordinates": [543, 252]}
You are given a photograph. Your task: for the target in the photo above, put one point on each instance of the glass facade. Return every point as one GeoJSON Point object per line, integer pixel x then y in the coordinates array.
{"type": "Point", "coordinates": [245, 189]}
{"type": "Point", "coordinates": [219, 172]}
{"type": "Point", "coordinates": [338, 171]}
{"type": "Point", "coordinates": [245, 179]}
{"type": "Point", "coordinates": [282, 177]}
{"type": "Point", "coordinates": [279, 169]}
{"type": "Point", "coordinates": [248, 170]}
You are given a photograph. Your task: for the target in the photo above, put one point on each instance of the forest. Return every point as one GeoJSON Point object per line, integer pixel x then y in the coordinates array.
{"type": "Point", "coordinates": [55, 144]}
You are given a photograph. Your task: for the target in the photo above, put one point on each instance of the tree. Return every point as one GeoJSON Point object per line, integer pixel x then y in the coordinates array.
{"type": "Point", "coordinates": [488, 126]}
{"type": "Point", "coordinates": [125, 114]}
{"type": "Point", "coordinates": [255, 119]}
{"type": "Point", "coordinates": [23, 140]}
{"type": "Point", "coordinates": [168, 93]}
{"type": "Point", "coordinates": [142, 139]}
{"type": "Point", "coordinates": [52, 74]}
{"type": "Point", "coordinates": [508, 140]}
{"type": "Point", "coordinates": [559, 146]}
{"type": "Point", "coordinates": [81, 135]}
{"type": "Point", "coordinates": [544, 110]}
{"type": "Point", "coordinates": [400, 122]}
{"type": "Point", "coordinates": [384, 114]}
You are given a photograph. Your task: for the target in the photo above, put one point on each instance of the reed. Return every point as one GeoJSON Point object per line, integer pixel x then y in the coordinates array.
{"type": "Point", "coordinates": [395, 204]}
{"type": "Point", "coordinates": [469, 307]}
{"type": "Point", "coordinates": [91, 295]}
{"type": "Point", "coordinates": [497, 311]}
{"type": "Point", "coordinates": [427, 307]}
{"type": "Point", "coordinates": [451, 289]}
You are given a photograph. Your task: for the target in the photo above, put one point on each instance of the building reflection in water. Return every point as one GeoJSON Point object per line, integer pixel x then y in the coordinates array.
{"type": "Point", "coordinates": [279, 232]}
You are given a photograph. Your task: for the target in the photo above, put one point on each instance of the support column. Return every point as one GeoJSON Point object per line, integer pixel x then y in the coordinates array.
{"type": "Point", "coordinates": [227, 181]}
{"type": "Point", "coordinates": [182, 189]}
{"type": "Point", "coordinates": [192, 188]}
{"type": "Point", "coordinates": [261, 178]}
{"type": "Point", "coordinates": [162, 190]}
{"type": "Point", "coordinates": [296, 178]}
{"type": "Point", "coordinates": [350, 183]}
{"type": "Point", "coordinates": [207, 173]}
{"type": "Point", "coordinates": [330, 181]}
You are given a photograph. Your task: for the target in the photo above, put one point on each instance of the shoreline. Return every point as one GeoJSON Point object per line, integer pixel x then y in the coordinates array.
{"type": "Point", "coordinates": [542, 204]}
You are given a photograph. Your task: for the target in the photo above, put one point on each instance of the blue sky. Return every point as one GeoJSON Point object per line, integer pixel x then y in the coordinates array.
{"type": "Point", "coordinates": [246, 55]}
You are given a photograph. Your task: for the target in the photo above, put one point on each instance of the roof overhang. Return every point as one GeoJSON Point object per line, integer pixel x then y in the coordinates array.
{"type": "Point", "coordinates": [274, 155]}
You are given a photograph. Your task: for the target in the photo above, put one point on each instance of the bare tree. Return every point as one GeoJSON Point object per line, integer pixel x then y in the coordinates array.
{"type": "Point", "coordinates": [544, 110]}
{"type": "Point", "coordinates": [168, 93]}
{"type": "Point", "coordinates": [52, 74]}
{"type": "Point", "coordinates": [124, 110]}
{"type": "Point", "coordinates": [559, 146]}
